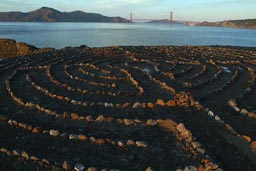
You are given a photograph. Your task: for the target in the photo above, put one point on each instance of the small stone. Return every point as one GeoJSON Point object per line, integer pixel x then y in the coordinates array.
{"type": "Point", "coordinates": [3, 150]}
{"type": "Point", "coordinates": [128, 122]}
{"type": "Point", "coordinates": [171, 103]}
{"type": "Point", "coordinates": [210, 166]}
{"type": "Point", "coordinates": [66, 165]}
{"type": "Point", "coordinates": [247, 138]}
{"type": "Point", "coordinates": [89, 119]}
{"type": "Point", "coordinates": [45, 161]}
{"type": "Point", "coordinates": [200, 150]}
{"type": "Point", "coordinates": [150, 105]}
{"type": "Point", "coordinates": [45, 131]}
{"type": "Point", "coordinates": [141, 143]}
{"type": "Point", "coordinates": [253, 146]}
{"type": "Point", "coordinates": [79, 167]}
{"type": "Point", "coordinates": [93, 139]}
{"type": "Point", "coordinates": [151, 122]}
{"type": "Point", "coordinates": [33, 158]}
{"type": "Point", "coordinates": [190, 168]}
{"type": "Point", "coordinates": [81, 137]}
{"type": "Point", "coordinates": [143, 105]}
{"type": "Point", "coordinates": [9, 153]}
{"type": "Point", "coordinates": [64, 135]}
{"type": "Point", "coordinates": [74, 116]}
{"type": "Point", "coordinates": [54, 133]}
{"type": "Point", "coordinates": [37, 130]}
{"type": "Point", "coordinates": [201, 168]}
{"type": "Point", "coordinates": [130, 142]}
{"type": "Point", "coordinates": [160, 102]}
{"type": "Point", "coordinates": [119, 121]}
{"type": "Point", "coordinates": [149, 169]}
{"type": "Point", "coordinates": [25, 155]}
{"type": "Point", "coordinates": [136, 105]}
{"type": "Point", "coordinates": [237, 109]}
{"type": "Point", "coordinates": [104, 170]}
{"type": "Point", "coordinates": [100, 141]}
{"type": "Point", "coordinates": [184, 132]}
{"type": "Point", "coordinates": [16, 152]}
{"type": "Point", "coordinates": [100, 119]}
{"type": "Point", "coordinates": [73, 137]}
{"type": "Point", "coordinates": [244, 112]}
{"type": "Point", "coordinates": [210, 113]}
{"type": "Point", "coordinates": [92, 169]}
{"type": "Point", "coordinates": [125, 105]}
{"type": "Point", "coordinates": [195, 145]}
{"type": "Point", "coordinates": [217, 118]}
{"type": "Point", "coordinates": [120, 144]}
{"type": "Point", "coordinates": [232, 103]}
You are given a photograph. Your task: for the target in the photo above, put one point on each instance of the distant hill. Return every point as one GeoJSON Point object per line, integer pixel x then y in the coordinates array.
{"type": "Point", "coordinates": [46, 14]}
{"type": "Point", "coordinates": [164, 21]}
{"type": "Point", "coordinates": [248, 23]}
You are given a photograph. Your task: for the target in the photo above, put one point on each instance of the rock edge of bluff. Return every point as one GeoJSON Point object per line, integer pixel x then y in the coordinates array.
{"type": "Point", "coordinates": [11, 48]}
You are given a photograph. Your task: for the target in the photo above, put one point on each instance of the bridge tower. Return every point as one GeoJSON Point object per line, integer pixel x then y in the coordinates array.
{"type": "Point", "coordinates": [131, 17]}
{"type": "Point", "coordinates": [171, 17]}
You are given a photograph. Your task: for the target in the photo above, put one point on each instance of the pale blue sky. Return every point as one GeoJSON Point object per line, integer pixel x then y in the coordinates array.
{"type": "Point", "coordinates": [195, 10]}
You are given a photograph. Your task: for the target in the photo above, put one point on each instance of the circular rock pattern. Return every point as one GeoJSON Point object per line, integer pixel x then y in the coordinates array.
{"type": "Point", "coordinates": [129, 108]}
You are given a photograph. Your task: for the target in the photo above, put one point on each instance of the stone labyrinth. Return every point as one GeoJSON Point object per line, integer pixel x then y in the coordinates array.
{"type": "Point", "coordinates": [129, 108]}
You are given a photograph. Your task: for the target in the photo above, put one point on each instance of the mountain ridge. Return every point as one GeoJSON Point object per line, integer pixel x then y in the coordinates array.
{"type": "Point", "coordinates": [46, 14]}
{"type": "Point", "coordinates": [245, 23]}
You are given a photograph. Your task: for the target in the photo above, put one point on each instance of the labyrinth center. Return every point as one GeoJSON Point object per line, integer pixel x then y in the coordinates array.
{"type": "Point", "coordinates": [129, 108]}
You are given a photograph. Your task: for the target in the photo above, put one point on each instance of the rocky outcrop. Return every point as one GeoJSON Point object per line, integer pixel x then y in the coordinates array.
{"type": "Point", "coordinates": [11, 48]}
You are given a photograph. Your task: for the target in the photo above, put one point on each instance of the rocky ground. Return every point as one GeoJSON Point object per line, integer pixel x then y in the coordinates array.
{"type": "Point", "coordinates": [11, 48]}
{"type": "Point", "coordinates": [163, 108]}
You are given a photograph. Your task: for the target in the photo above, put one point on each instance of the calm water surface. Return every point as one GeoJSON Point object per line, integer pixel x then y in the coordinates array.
{"type": "Point", "coordinates": [60, 35]}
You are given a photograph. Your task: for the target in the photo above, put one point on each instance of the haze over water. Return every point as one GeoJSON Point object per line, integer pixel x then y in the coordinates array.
{"type": "Point", "coordinates": [59, 35]}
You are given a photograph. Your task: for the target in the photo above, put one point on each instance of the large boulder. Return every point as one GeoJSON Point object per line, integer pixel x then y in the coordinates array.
{"type": "Point", "coordinates": [11, 48]}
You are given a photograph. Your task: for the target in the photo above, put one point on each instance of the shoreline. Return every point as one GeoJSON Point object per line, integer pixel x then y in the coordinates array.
{"type": "Point", "coordinates": [11, 48]}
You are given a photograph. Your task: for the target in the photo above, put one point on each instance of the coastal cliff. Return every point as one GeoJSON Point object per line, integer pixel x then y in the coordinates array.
{"type": "Point", "coordinates": [11, 48]}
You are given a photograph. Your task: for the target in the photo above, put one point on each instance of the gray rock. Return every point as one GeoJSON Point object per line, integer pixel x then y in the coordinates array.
{"type": "Point", "coordinates": [79, 167]}
{"type": "Point", "coordinates": [210, 113]}
{"type": "Point", "coordinates": [237, 109]}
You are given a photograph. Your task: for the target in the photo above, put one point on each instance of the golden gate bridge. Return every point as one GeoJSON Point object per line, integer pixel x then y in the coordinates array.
{"type": "Point", "coordinates": [132, 20]}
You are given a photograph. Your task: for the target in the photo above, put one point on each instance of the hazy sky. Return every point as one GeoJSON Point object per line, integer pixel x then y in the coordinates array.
{"type": "Point", "coordinates": [195, 10]}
